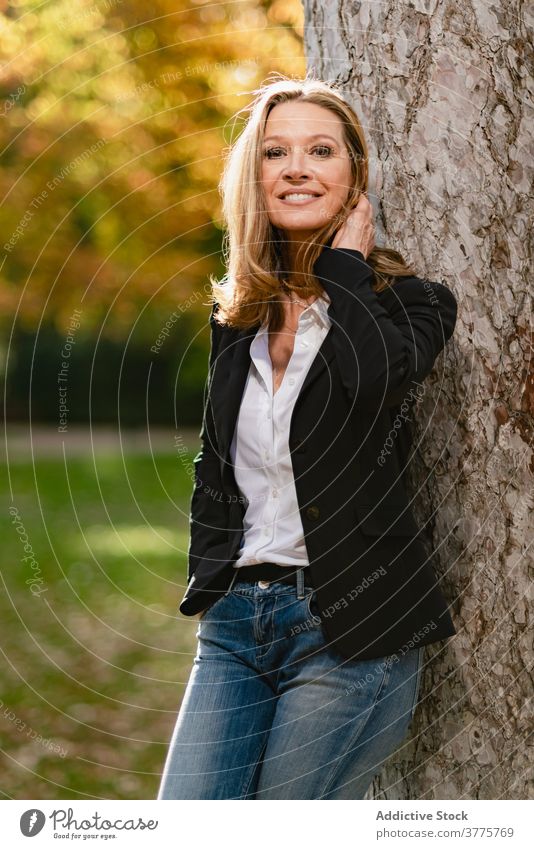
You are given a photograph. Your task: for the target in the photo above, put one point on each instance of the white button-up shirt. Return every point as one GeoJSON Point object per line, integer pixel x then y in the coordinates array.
{"type": "Point", "coordinates": [272, 527]}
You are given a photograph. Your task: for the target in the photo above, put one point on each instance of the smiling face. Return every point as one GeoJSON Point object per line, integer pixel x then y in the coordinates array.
{"type": "Point", "coordinates": [306, 171]}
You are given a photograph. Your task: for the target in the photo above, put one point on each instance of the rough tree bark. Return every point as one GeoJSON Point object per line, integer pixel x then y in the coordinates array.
{"type": "Point", "coordinates": [444, 90]}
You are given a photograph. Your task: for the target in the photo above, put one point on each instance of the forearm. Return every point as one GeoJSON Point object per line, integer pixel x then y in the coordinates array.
{"type": "Point", "coordinates": [382, 352]}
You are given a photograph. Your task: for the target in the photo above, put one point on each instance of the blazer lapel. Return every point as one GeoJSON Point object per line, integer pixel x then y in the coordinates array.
{"type": "Point", "coordinates": [231, 370]}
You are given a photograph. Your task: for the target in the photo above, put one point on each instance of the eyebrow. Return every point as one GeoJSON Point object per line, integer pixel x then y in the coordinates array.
{"type": "Point", "coordinates": [315, 136]}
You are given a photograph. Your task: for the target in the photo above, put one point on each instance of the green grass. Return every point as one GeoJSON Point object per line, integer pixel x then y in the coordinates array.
{"type": "Point", "coordinates": [95, 655]}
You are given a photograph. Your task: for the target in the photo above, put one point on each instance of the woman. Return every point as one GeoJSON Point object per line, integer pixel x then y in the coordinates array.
{"type": "Point", "coordinates": [314, 588]}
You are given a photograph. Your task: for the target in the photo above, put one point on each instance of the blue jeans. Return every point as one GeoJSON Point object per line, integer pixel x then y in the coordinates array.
{"type": "Point", "coordinates": [271, 711]}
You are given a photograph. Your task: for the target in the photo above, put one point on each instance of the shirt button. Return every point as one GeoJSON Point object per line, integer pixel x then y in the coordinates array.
{"type": "Point", "coordinates": [275, 493]}
{"type": "Point", "coordinates": [304, 343]}
{"type": "Point", "coordinates": [291, 380]}
{"type": "Point", "coordinates": [313, 512]}
{"type": "Point", "coordinates": [266, 532]}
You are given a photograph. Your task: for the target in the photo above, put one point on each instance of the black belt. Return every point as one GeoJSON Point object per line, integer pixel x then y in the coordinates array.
{"type": "Point", "coordinates": [272, 572]}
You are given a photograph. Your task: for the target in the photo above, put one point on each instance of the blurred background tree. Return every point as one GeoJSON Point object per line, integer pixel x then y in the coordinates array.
{"type": "Point", "coordinates": [115, 117]}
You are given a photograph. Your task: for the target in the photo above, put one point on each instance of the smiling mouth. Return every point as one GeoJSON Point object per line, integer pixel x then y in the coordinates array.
{"type": "Point", "coordinates": [298, 197]}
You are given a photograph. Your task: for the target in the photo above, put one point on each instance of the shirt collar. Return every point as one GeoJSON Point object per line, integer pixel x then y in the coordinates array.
{"type": "Point", "coordinates": [320, 308]}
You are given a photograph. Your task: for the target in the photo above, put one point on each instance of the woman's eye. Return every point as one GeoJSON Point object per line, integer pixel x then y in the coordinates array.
{"type": "Point", "coordinates": [268, 152]}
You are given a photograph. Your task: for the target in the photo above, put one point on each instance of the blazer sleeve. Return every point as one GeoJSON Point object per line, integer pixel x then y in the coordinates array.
{"type": "Point", "coordinates": [209, 509]}
{"type": "Point", "coordinates": [383, 351]}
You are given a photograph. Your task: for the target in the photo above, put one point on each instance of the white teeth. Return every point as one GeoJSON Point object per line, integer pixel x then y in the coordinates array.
{"type": "Point", "coordinates": [298, 196]}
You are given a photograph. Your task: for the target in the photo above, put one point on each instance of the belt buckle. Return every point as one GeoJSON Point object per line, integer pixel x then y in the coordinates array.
{"type": "Point", "coordinates": [263, 585]}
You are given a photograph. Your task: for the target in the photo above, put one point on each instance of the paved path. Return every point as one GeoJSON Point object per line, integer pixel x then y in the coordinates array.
{"type": "Point", "coordinates": [19, 441]}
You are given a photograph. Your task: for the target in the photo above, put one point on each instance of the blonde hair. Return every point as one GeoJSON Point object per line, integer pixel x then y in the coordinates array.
{"type": "Point", "coordinates": [247, 294]}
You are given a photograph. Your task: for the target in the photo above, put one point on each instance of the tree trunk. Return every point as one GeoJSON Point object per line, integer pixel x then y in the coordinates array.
{"type": "Point", "coordinates": [444, 92]}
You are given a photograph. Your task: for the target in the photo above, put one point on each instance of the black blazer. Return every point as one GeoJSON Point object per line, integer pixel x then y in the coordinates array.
{"type": "Point", "coordinates": [349, 441]}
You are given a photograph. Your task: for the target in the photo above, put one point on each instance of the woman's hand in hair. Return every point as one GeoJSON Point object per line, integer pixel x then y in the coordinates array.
{"type": "Point", "coordinates": [357, 233]}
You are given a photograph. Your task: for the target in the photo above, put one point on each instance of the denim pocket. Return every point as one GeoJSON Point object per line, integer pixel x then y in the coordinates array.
{"type": "Point", "coordinates": [312, 608]}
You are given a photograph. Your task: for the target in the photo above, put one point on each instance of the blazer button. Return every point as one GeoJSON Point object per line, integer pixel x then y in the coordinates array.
{"type": "Point", "coordinates": [313, 512]}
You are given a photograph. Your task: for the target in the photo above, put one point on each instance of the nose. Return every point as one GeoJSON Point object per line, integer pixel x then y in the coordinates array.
{"type": "Point", "coordinates": [296, 166]}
